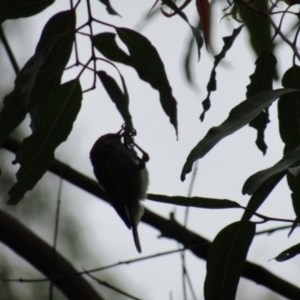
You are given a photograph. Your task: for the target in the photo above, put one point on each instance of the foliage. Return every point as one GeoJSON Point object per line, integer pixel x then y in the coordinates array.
{"type": "Point", "coordinates": [53, 105]}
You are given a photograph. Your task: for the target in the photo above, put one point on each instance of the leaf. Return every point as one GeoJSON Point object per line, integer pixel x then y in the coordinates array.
{"type": "Point", "coordinates": [295, 224]}
{"type": "Point", "coordinates": [256, 180]}
{"type": "Point", "coordinates": [212, 84]}
{"type": "Point", "coordinates": [288, 253]}
{"type": "Point", "coordinates": [13, 9]}
{"type": "Point", "coordinates": [12, 114]}
{"type": "Point", "coordinates": [238, 117]}
{"type": "Point", "coordinates": [145, 59]}
{"type": "Point", "coordinates": [52, 126]}
{"type": "Point", "coordinates": [121, 99]}
{"type": "Point", "coordinates": [289, 116]}
{"type": "Point", "coordinates": [26, 79]}
{"type": "Point", "coordinates": [109, 8]}
{"type": "Point", "coordinates": [59, 35]}
{"type": "Point", "coordinates": [42, 73]}
{"type": "Point", "coordinates": [288, 112]}
{"type": "Point", "coordinates": [150, 69]}
{"type": "Point", "coordinates": [259, 28]}
{"type": "Point", "coordinates": [261, 194]}
{"type": "Point", "coordinates": [204, 14]}
{"type": "Point", "coordinates": [187, 61]}
{"type": "Point", "coordinates": [225, 260]}
{"type": "Point", "coordinates": [106, 44]}
{"type": "Point", "coordinates": [262, 80]}
{"type": "Point", "coordinates": [195, 201]}
{"type": "Point", "coordinates": [195, 31]}
{"type": "Point", "coordinates": [289, 120]}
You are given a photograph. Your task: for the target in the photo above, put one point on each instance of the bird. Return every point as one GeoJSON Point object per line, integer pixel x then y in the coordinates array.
{"type": "Point", "coordinates": [123, 175]}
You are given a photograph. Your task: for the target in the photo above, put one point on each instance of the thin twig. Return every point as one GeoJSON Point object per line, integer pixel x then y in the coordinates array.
{"type": "Point", "coordinates": [9, 51]}
{"type": "Point", "coordinates": [108, 285]}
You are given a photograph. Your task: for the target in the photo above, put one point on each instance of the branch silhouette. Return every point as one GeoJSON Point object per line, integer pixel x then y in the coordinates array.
{"type": "Point", "coordinates": [38, 253]}
{"type": "Point", "coordinates": [169, 228]}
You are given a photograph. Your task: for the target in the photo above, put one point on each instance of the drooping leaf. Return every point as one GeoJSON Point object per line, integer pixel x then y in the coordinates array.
{"type": "Point", "coordinates": [109, 8]}
{"type": "Point", "coordinates": [256, 180]}
{"type": "Point", "coordinates": [261, 194]}
{"type": "Point", "coordinates": [259, 28]}
{"type": "Point", "coordinates": [212, 84]}
{"type": "Point", "coordinates": [202, 202]}
{"type": "Point", "coordinates": [106, 43]}
{"type": "Point", "coordinates": [238, 117]}
{"type": "Point", "coordinates": [289, 120]}
{"type": "Point", "coordinates": [195, 31]}
{"type": "Point", "coordinates": [288, 253]}
{"type": "Point", "coordinates": [16, 103]}
{"type": "Point", "coordinates": [204, 14]}
{"type": "Point", "coordinates": [41, 74]}
{"type": "Point", "coordinates": [58, 35]}
{"type": "Point", "coordinates": [226, 257]}
{"type": "Point", "coordinates": [12, 114]}
{"type": "Point", "coordinates": [295, 224]}
{"type": "Point", "coordinates": [52, 126]}
{"type": "Point", "coordinates": [13, 9]}
{"type": "Point", "coordinates": [187, 61]}
{"type": "Point", "coordinates": [145, 59]}
{"type": "Point", "coordinates": [262, 80]}
{"type": "Point", "coordinates": [26, 79]}
{"type": "Point", "coordinates": [119, 97]}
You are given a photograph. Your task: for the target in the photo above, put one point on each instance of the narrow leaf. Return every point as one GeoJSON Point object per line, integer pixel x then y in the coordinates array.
{"type": "Point", "coordinates": [289, 116]}
{"type": "Point", "coordinates": [187, 61]}
{"type": "Point", "coordinates": [109, 8]}
{"type": "Point", "coordinates": [261, 194]}
{"type": "Point", "coordinates": [201, 202]}
{"type": "Point", "coordinates": [238, 117]}
{"type": "Point", "coordinates": [145, 59]}
{"type": "Point", "coordinates": [295, 224]}
{"type": "Point", "coordinates": [226, 257]}
{"type": "Point", "coordinates": [150, 69]}
{"type": "Point", "coordinates": [288, 253]}
{"type": "Point", "coordinates": [12, 114]}
{"type": "Point", "coordinates": [121, 99]}
{"type": "Point", "coordinates": [13, 9]}
{"type": "Point", "coordinates": [58, 35]}
{"type": "Point", "coordinates": [41, 74]}
{"type": "Point", "coordinates": [212, 84]}
{"type": "Point", "coordinates": [256, 180]}
{"type": "Point", "coordinates": [259, 28]}
{"type": "Point", "coordinates": [204, 15]}
{"type": "Point", "coordinates": [262, 80]}
{"type": "Point", "coordinates": [106, 43]}
{"type": "Point", "coordinates": [26, 79]}
{"type": "Point", "coordinates": [195, 31]}
{"type": "Point", "coordinates": [52, 126]}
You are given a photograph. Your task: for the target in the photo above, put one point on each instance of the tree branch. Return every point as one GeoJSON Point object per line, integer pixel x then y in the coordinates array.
{"type": "Point", "coordinates": [170, 228]}
{"type": "Point", "coordinates": [39, 254]}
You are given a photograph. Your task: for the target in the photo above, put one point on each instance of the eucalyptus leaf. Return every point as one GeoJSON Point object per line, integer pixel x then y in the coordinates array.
{"type": "Point", "coordinates": [288, 253]}
{"type": "Point", "coordinates": [212, 83]}
{"type": "Point", "coordinates": [261, 194]}
{"type": "Point", "coordinates": [225, 261]}
{"type": "Point", "coordinates": [14, 9]}
{"type": "Point", "coordinates": [120, 98]}
{"type": "Point", "coordinates": [238, 117]}
{"type": "Point", "coordinates": [144, 58]}
{"type": "Point", "coordinates": [256, 180]}
{"type": "Point", "coordinates": [195, 31]}
{"type": "Point", "coordinates": [52, 126]}
{"type": "Point", "coordinates": [200, 202]}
